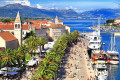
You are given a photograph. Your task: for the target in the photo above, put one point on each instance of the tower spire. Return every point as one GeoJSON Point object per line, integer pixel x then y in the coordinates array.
{"type": "Point", "coordinates": [56, 17]}
{"type": "Point", "coordinates": [18, 19]}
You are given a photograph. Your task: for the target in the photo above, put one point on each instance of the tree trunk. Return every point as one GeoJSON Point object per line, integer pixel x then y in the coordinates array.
{"type": "Point", "coordinates": [31, 53]}
{"type": "Point", "coordinates": [42, 47]}
{"type": "Point", "coordinates": [40, 50]}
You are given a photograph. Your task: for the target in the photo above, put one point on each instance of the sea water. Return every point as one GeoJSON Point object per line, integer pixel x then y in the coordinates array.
{"type": "Point", "coordinates": [82, 26]}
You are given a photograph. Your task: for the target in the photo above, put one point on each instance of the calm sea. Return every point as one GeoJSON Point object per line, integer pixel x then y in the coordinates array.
{"type": "Point", "coordinates": [82, 26]}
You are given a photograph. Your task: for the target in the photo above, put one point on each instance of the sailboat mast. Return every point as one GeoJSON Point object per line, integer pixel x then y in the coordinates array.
{"type": "Point", "coordinates": [99, 26]}
{"type": "Point", "coordinates": [111, 42]}
{"type": "Point", "coordinates": [114, 43]}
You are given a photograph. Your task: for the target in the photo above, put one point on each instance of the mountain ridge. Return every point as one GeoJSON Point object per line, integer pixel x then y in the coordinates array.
{"type": "Point", "coordinates": [26, 11]}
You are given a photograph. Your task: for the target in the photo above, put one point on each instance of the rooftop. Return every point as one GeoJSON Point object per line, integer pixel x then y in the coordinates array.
{"type": "Point", "coordinates": [7, 36]}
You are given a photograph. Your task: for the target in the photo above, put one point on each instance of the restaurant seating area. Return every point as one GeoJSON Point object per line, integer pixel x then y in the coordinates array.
{"type": "Point", "coordinates": [20, 73]}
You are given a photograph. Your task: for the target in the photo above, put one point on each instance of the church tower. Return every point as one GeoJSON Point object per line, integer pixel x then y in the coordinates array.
{"type": "Point", "coordinates": [18, 28]}
{"type": "Point", "coordinates": [56, 20]}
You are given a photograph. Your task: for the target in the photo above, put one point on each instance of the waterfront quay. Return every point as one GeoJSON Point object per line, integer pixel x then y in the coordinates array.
{"type": "Point", "coordinates": [76, 64]}
{"type": "Point", "coordinates": [106, 28]}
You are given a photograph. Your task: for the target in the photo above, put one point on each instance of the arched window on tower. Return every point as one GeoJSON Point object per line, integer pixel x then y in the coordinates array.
{"type": "Point", "coordinates": [15, 26]}
{"type": "Point", "coordinates": [18, 26]}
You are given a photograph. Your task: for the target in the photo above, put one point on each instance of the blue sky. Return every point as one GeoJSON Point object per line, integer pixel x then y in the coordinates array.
{"type": "Point", "coordinates": [78, 5]}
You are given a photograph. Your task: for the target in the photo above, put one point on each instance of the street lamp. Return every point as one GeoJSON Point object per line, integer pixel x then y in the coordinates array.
{"type": "Point", "coordinates": [78, 74]}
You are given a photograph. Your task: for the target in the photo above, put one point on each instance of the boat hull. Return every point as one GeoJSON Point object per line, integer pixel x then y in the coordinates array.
{"type": "Point", "coordinates": [113, 62]}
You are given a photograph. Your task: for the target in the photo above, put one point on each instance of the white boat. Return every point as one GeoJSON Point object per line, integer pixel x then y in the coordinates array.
{"type": "Point", "coordinates": [101, 71]}
{"type": "Point", "coordinates": [95, 39]}
{"type": "Point", "coordinates": [94, 43]}
{"type": "Point", "coordinates": [113, 54]}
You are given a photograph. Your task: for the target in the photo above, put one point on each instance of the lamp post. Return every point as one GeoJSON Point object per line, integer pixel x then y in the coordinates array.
{"type": "Point", "coordinates": [78, 74]}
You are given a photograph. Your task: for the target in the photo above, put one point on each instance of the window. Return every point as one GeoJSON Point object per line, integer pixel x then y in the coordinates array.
{"type": "Point", "coordinates": [18, 26]}
{"type": "Point", "coordinates": [15, 26]}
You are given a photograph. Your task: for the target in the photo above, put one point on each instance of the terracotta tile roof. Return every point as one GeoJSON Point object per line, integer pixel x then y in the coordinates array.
{"type": "Point", "coordinates": [117, 19]}
{"type": "Point", "coordinates": [7, 27]}
{"type": "Point", "coordinates": [39, 22]}
{"type": "Point", "coordinates": [67, 26]}
{"type": "Point", "coordinates": [37, 26]}
{"type": "Point", "coordinates": [11, 27]}
{"type": "Point", "coordinates": [55, 26]}
{"type": "Point", "coordinates": [43, 27]}
{"type": "Point", "coordinates": [60, 21]}
{"type": "Point", "coordinates": [25, 27]}
{"type": "Point", "coordinates": [7, 36]}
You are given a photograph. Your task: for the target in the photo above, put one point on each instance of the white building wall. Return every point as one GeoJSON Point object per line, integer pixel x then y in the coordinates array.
{"type": "Point", "coordinates": [67, 29]}
{"type": "Point", "coordinates": [117, 21]}
{"type": "Point", "coordinates": [2, 42]}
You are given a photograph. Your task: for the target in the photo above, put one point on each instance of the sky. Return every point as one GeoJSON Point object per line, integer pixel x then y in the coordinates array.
{"type": "Point", "coordinates": [77, 5]}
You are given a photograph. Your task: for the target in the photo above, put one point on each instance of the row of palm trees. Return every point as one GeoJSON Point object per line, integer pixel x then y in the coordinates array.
{"type": "Point", "coordinates": [13, 57]}
{"type": "Point", "coordinates": [49, 67]}
{"type": "Point", "coordinates": [17, 56]}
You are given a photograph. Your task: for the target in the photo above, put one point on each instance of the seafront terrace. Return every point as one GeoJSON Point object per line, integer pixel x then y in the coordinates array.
{"type": "Point", "coordinates": [76, 64]}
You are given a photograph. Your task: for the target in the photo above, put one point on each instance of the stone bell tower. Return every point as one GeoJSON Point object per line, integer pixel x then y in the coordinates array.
{"type": "Point", "coordinates": [18, 28]}
{"type": "Point", "coordinates": [56, 20]}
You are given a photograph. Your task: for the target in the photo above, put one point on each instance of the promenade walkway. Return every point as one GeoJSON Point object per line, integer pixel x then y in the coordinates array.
{"type": "Point", "coordinates": [77, 63]}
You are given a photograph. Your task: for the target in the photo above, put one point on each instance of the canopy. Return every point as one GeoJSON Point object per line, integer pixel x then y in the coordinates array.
{"type": "Point", "coordinates": [2, 72]}
{"type": "Point", "coordinates": [16, 69]}
{"type": "Point", "coordinates": [31, 62]}
{"type": "Point", "coordinates": [11, 72]}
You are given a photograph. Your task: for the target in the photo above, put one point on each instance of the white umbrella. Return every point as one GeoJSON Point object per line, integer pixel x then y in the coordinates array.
{"type": "Point", "coordinates": [2, 72]}
{"type": "Point", "coordinates": [16, 69]}
{"type": "Point", "coordinates": [31, 62]}
{"type": "Point", "coordinates": [5, 68]}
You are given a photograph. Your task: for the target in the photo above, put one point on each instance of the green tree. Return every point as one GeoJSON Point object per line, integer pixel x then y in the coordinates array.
{"type": "Point", "coordinates": [7, 20]}
{"type": "Point", "coordinates": [7, 58]}
{"type": "Point", "coordinates": [31, 43]}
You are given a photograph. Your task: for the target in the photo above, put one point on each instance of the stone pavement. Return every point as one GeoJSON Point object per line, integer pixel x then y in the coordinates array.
{"type": "Point", "coordinates": [79, 64]}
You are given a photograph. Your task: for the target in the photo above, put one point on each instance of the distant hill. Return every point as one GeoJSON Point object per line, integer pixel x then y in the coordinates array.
{"type": "Point", "coordinates": [26, 11]}
{"type": "Point", "coordinates": [31, 12]}
{"type": "Point", "coordinates": [105, 13]}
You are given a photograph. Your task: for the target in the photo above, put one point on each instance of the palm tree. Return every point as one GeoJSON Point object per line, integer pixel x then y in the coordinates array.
{"type": "Point", "coordinates": [44, 41]}
{"type": "Point", "coordinates": [7, 58]}
{"type": "Point", "coordinates": [40, 39]}
{"type": "Point", "coordinates": [24, 50]}
{"type": "Point", "coordinates": [31, 43]}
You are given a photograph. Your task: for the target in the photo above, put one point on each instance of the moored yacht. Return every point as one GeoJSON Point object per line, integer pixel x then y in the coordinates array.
{"type": "Point", "coordinates": [98, 56]}
{"type": "Point", "coordinates": [94, 43]}
{"type": "Point", "coordinates": [95, 39]}
{"type": "Point", "coordinates": [101, 71]}
{"type": "Point", "coordinates": [113, 54]}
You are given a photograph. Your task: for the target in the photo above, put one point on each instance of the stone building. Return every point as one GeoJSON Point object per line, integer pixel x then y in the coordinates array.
{"type": "Point", "coordinates": [7, 40]}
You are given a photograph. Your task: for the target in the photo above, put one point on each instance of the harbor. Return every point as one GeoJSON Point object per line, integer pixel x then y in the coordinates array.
{"type": "Point", "coordinates": [113, 70]}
